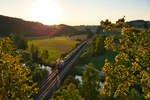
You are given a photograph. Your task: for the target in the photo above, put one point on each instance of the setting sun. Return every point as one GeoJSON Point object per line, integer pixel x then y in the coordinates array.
{"type": "Point", "coordinates": [46, 11]}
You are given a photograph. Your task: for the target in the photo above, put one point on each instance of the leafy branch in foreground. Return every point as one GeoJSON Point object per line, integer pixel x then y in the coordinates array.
{"type": "Point", "coordinates": [15, 80]}
{"type": "Point", "coordinates": [131, 68]}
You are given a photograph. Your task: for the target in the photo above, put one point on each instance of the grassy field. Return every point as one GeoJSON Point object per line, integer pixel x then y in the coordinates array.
{"type": "Point", "coordinates": [98, 61]}
{"type": "Point", "coordinates": [56, 46]}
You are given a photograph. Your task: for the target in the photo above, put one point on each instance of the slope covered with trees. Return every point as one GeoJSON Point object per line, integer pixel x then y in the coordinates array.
{"type": "Point", "coordinates": [139, 23]}
{"type": "Point", "coordinates": [10, 25]}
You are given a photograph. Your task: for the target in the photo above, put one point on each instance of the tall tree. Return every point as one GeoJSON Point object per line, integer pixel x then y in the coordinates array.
{"type": "Point", "coordinates": [96, 46]}
{"type": "Point", "coordinates": [20, 41]}
{"type": "Point", "coordinates": [99, 45]}
{"type": "Point", "coordinates": [90, 83]}
{"type": "Point", "coordinates": [131, 68]}
{"type": "Point", "coordinates": [44, 57]}
{"type": "Point", "coordinates": [15, 80]}
{"type": "Point", "coordinates": [35, 53]}
{"type": "Point", "coordinates": [45, 54]}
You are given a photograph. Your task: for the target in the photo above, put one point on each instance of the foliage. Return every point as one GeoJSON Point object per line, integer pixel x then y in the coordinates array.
{"type": "Point", "coordinates": [64, 30]}
{"type": "Point", "coordinates": [35, 53]}
{"type": "Point", "coordinates": [81, 37]}
{"type": "Point", "coordinates": [131, 68]}
{"type": "Point", "coordinates": [39, 74]}
{"type": "Point", "coordinates": [19, 41]}
{"type": "Point", "coordinates": [98, 61]}
{"type": "Point", "coordinates": [88, 89]}
{"type": "Point", "coordinates": [146, 25]}
{"type": "Point", "coordinates": [98, 31]}
{"type": "Point", "coordinates": [67, 93]}
{"type": "Point", "coordinates": [83, 31]}
{"type": "Point", "coordinates": [15, 80]}
{"type": "Point", "coordinates": [29, 28]}
{"type": "Point", "coordinates": [70, 79]}
{"type": "Point", "coordinates": [76, 71]}
{"type": "Point", "coordinates": [139, 24]}
{"type": "Point", "coordinates": [86, 31]}
{"type": "Point", "coordinates": [96, 46]}
{"type": "Point", "coordinates": [45, 54]}
{"type": "Point", "coordinates": [44, 57]}
{"type": "Point", "coordinates": [26, 57]}
{"type": "Point", "coordinates": [40, 56]}
{"type": "Point", "coordinates": [90, 83]}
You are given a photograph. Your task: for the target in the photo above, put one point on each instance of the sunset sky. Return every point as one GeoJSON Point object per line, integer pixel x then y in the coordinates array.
{"type": "Point", "coordinates": [75, 12]}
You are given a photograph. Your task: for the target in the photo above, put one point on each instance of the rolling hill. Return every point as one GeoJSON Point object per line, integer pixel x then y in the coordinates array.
{"type": "Point", "coordinates": [10, 25]}
{"type": "Point", "coordinates": [139, 23]}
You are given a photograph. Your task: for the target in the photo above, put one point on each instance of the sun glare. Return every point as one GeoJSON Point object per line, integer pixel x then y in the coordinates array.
{"type": "Point", "coordinates": [46, 11]}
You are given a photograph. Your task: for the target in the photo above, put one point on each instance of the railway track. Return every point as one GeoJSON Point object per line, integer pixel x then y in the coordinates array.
{"type": "Point", "coordinates": [54, 79]}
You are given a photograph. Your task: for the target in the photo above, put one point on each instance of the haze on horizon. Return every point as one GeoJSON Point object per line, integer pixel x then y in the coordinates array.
{"type": "Point", "coordinates": [75, 12]}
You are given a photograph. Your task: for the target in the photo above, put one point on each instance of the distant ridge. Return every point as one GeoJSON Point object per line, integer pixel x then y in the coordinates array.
{"type": "Point", "coordinates": [10, 25]}
{"type": "Point", "coordinates": [139, 23]}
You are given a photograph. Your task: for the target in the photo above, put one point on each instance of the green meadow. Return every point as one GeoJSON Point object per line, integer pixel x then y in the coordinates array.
{"type": "Point", "coordinates": [98, 61]}
{"type": "Point", "coordinates": [56, 45]}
